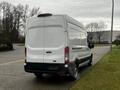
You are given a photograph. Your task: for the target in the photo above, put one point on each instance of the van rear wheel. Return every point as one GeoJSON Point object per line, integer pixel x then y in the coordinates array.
{"type": "Point", "coordinates": [75, 74]}
{"type": "Point", "coordinates": [38, 75]}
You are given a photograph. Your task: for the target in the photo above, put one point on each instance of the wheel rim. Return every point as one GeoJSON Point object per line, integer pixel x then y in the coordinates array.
{"type": "Point", "coordinates": [76, 73]}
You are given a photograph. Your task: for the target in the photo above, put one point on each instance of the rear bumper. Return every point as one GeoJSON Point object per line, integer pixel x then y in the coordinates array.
{"type": "Point", "coordinates": [46, 68]}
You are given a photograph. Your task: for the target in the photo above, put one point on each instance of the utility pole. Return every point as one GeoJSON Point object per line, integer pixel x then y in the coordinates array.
{"type": "Point", "coordinates": [112, 18]}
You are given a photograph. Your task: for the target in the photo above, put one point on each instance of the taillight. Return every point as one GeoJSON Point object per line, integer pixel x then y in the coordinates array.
{"type": "Point", "coordinates": [25, 52]}
{"type": "Point", "coordinates": [66, 53]}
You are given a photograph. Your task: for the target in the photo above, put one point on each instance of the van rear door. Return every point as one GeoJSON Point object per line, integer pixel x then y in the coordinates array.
{"type": "Point", "coordinates": [54, 43]}
{"type": "Point", "coordinates": [46, 40]}
{"type": "Point", "coordinates": [34, 41]}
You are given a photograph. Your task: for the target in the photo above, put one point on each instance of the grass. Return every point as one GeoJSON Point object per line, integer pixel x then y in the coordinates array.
{"type": "Point", "coordinates": [99, 45]}
{"type": "Point", "coordinates": [105, 75]}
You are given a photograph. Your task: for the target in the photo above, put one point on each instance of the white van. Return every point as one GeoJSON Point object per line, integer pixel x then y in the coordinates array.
{"type": "Point", "coordinates": [55, 44]}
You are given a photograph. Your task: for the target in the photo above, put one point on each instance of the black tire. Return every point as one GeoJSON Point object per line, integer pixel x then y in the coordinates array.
{"type": "Point", "coordinates": [75, 74]}
{"type": "Point", "coordinates": [38, 75]}
{"type": "Point", "coordinates": [90, 61]}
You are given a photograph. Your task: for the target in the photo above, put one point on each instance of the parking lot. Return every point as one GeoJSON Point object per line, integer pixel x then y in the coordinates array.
{"type": "Point", "coordinates": [13, 76]}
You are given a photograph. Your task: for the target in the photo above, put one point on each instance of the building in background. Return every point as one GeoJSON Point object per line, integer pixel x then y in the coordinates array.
{"type": "Point", "coordinates": [102, 36]}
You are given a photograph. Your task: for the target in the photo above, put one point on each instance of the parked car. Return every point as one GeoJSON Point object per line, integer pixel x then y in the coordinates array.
{"type": "Point", "coordinates": [56, 44]}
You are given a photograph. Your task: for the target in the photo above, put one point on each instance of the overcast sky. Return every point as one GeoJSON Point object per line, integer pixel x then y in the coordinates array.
{"type": "Point", "coordinates": [85, 11]}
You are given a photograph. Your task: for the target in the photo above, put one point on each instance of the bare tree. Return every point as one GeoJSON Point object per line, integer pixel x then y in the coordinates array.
{"type": "Point", "coordinates": [13, 18]}
{"type": "Point", "coordinates": [100, 29]}
{"type": "Point", "coordinates": [34, 11]}
{"type": "Point", "coordinates": [6, 24]}
{"type": "Point", "coordinates": [91, 28]}
{"type": "Point", "coordinates": [28, 13]}
{"type": "Point", "coordinates": [95, 28]}
{"type": "Point", "coordinates": [17, 14]}
{"type": "Point", "coordinates": [6, 19]}
{"type": "Point", "coordinates": [25, 15]}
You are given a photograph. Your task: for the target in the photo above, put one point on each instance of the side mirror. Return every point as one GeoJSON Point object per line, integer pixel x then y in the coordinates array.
{"type": "Point", "coordinates": [90, 45]}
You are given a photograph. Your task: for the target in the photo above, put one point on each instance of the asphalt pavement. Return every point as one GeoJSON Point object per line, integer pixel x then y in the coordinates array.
{"type": "Point", "coordinates": [13, 76]}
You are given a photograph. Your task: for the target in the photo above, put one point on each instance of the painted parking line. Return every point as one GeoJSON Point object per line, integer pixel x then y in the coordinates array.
{"type": "Point", "coordinates": [2, 64]}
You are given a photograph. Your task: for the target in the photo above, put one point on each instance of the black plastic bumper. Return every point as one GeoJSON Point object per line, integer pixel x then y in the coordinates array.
{"type": "Point", "coordinates": [46, 68]}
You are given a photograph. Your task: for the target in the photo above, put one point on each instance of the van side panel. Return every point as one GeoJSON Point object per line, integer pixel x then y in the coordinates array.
{"type": "Point", "coordinates": [77, 42]}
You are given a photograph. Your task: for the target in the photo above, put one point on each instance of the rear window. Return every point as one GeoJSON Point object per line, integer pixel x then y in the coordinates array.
{"type": "Point", "coordinates": [47, 37]}
{"type": "Point", "coordinates": [35, 37]}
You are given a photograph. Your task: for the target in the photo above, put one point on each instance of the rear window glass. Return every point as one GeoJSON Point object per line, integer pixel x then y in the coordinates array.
{"type": "Point", "coordinates": [45, 37]}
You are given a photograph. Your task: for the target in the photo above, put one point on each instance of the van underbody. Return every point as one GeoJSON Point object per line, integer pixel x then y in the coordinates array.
{"type": "Point", "coordinates": [46, 68]}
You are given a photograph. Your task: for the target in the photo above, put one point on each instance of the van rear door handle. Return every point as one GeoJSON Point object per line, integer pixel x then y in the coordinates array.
{"type": "Point", "coordinates": [48, 52]}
